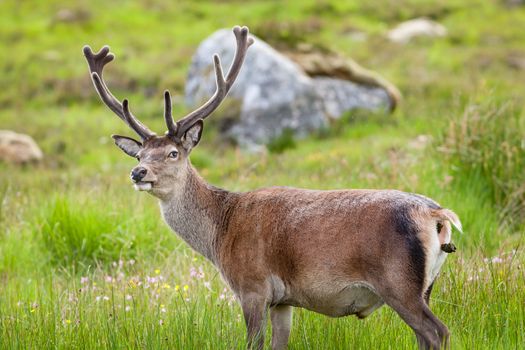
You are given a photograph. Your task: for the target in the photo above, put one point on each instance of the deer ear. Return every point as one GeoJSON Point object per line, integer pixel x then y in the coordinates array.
{"type": "Point", "coordinates": [130, 146]}
{"type": "Point", "coordinates": [193, 135]}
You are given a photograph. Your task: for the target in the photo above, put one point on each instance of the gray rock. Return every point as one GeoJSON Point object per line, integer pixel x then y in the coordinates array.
{"type": "Point", "coordinates": [342, 95]}
{"type": "Point", "coordinates": [271, 93]}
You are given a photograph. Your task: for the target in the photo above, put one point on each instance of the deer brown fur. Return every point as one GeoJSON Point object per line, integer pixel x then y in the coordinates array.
{"type": "Point", "coordinates": [341, 252]}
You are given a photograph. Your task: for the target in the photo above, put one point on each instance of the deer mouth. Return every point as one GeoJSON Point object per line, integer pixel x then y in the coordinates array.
{"type": "Point", "coordinates": [143, 185]}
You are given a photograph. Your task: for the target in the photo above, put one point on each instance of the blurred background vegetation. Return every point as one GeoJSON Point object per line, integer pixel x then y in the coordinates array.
{"type": "Point", "coordinates": [458, 136]}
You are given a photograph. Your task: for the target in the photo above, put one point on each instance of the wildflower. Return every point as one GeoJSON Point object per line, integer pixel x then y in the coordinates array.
{"type": "Point", "coordinates": [157, 272]}
{"type": "Point", "coordinates": [128, 297]}
{"type": "Point", "coordinates": [109, 279]}
{"type": "Point", "coordinates": [496, 260]}
{"type": "Point", "coordinates": [162, 308]}
{"type": "Point", "coordinates": [177, 287]}
{"type": "Point", "coordinates": [186, 287]}
{"type": "Point", "coordinates": [127, 308]}
{"type": "Point", "coordinates": [194, 273]}
{"type": "Point", "coordinates": [106, 298]}
{"type": "Point", "coordinates": [166, 286]}
{"type": "Point", "coordinates": [207, 284]}
{"type": "Point", "coordinates": [84, 280]}
{"type": "Point", "coordinates": [161, 322]}
{"type": "Point", "coordinates": [68, 321]}
{"type": "Point", "coordinates": [151, 279]}
{"type": "Point", "coordinates": [223, 295]}
{"type": "Point", "coordinates": [131, 261]}
{"type": "Point", "coordinates": [97, 298]}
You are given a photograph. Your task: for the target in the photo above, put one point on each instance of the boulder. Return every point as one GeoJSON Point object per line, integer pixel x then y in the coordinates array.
{"type": "Point", "coordinates": [357, 83]}
{"type": "Point", "coordinates": [272, 93]}
{"type": "Point", "coordinates": [418, 27]}
{"type": "Point", "coordinates": [340, 96]}
{"type": "Point", "coordinates": [18, 148]}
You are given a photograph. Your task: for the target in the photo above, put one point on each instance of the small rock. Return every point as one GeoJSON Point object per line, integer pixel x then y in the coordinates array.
{"type": "Point", "coordinates": [18, 148]}
{"type": "Point", "coordinates": [72, 15]}
{"type": "Point", "coordinates": [419, 27]}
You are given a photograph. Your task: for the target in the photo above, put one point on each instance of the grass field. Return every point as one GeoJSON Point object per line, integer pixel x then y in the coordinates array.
{"type": "Point", "coordinates": [86, 262]}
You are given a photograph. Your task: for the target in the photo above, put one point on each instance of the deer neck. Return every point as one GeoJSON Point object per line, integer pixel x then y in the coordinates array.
{"type": "Point", "coordinates": [195, 211]}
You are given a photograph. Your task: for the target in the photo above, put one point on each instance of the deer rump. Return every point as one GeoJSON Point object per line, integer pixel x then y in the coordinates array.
{"type": "Point", "coordinates": [334, 252]}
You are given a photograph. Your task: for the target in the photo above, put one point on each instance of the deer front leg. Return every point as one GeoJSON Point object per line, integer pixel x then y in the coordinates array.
{"type": "Point", "coordinates": [254, 307]}
{"type": "Point", "coordinates": [281, 316]}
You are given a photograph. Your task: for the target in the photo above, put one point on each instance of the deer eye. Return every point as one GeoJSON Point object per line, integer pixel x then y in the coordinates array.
{"type": "Point", "coordinates": [173, 154]}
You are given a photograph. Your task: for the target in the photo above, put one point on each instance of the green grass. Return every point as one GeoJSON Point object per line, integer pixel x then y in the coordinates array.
{"type": "Point", "coordinates": [78, 245]}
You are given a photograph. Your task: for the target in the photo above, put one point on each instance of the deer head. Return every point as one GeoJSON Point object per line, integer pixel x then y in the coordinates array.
{"type": "Point", "coordinates": [163, 160]}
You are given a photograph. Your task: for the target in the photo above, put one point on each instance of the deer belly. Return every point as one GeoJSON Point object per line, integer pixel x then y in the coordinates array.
{"type": "Point", "coordinates": [358, 298]}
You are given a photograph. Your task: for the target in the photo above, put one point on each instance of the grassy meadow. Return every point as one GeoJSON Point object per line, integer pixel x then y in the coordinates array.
{"type": "Point", "coordinates": [86, 262]}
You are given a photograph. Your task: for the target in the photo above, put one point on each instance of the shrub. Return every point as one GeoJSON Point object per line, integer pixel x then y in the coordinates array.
{"type": "Point", "coordinates": [489, 141]}
{"type": "Point", "coordinates": [282, 142]}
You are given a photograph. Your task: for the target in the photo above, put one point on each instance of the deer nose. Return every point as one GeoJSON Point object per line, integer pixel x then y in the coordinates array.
{"type": "Point", "coordinates": [138, 173]}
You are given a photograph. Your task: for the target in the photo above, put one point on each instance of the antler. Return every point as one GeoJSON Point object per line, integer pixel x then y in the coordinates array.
{"type": "Point", "coordinates": [96, 62]}
{"type": "Point", "coordinates": [223, 86]}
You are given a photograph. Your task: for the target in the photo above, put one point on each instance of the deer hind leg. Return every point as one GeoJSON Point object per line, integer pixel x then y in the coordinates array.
{"type": "Point", "coordinates": [427, 293]}
{"type": "Point", "coordinates": [431, 333]}
{"type": "Point", "coordinates": [442, 330]}
{"type": "Point", "coordinates": [281, 317]}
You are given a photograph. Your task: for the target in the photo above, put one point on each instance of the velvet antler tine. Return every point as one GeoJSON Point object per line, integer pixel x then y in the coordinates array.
{"type": "Point", "coordinates": [96, 63]}
{"type": "Point", "coordinates": [168, 117]}
{"type": "Point", "coordinates": [132, 121]}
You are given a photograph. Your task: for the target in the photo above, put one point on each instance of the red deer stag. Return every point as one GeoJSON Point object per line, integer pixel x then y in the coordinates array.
{"type": "Point", "coordinates": [338, 253]}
